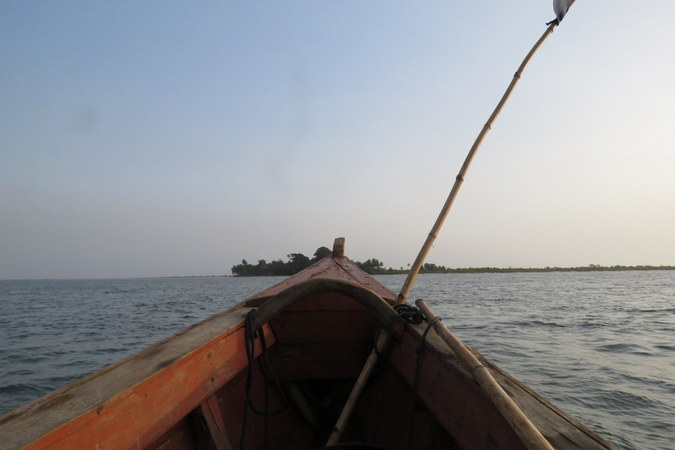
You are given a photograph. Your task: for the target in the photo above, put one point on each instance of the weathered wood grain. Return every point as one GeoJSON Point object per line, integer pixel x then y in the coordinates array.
{"type": "Point", "coordinates": [446, 387]}
{"type": "Point", "coordinates": [329, 267]}
{"type": "Point", "coordinates": [134, 402]}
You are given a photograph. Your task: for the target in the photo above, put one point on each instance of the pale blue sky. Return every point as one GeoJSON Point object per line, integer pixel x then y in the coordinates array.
{"type": "Point", "coordinates": [178, 137]}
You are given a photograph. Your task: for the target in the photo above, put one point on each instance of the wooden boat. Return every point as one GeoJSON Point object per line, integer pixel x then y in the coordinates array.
{"type": "Point", "coordinates": [274, 372]}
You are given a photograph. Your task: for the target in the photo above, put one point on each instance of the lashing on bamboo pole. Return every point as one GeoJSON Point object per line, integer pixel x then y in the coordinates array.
{"type": "Point", "coordinates": [433, 234]}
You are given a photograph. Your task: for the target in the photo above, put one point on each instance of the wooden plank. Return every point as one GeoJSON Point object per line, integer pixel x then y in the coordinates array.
{"type": "Point", "coordinates": [326, 268]}
{"type": "Point", "coordinates": [134, 414]}
{"type": "Point", "coordinates": [387, 415]}
{"type": "Point", "coordinates": [329, 267]}
{"type": "Point", "coordinates": [285, 429]}
{"type": "Point", "coordinates": [560, 429]}
{"type": "Point", "coordinates": [35, 418]}
{"type": "Point", "coordinates": [452, 397]}
{"type": "Point", "coordinates": [326, 360]}
{"type": "Point", "coordinates": [306, 409]}
{"type": "Point", "coordinates": [520, 423]}
{"type": "Point", "coordinates": [178, 437]}
{"type": "Point", "coordinates": [339, 247]}
{"type": "Point", "coordinates": [359, 276]}
{"type": "Point", "coordinates": [213, 416]}
{"type": "Point", "coordinates": [324, 326]}
{"type": "Point", "coordinates": [327, 301]}
{"type": "Point", "coordinates": [378, 308]}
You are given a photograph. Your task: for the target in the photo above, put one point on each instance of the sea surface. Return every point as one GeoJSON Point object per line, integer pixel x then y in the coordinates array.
{"type": "Point", "coordinates": [600, 345]}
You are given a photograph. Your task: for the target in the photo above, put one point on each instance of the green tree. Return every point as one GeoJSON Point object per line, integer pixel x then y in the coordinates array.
{"type": "Point", "coordinates": [321, 253]}
{"type": "Point", "coordinates": [371, 266]}
{"type": "Point", "coordinates": [298, 262]}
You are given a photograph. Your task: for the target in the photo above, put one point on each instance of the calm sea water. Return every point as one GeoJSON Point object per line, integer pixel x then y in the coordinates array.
{"type": "Point", "coordinates": [600, 345]}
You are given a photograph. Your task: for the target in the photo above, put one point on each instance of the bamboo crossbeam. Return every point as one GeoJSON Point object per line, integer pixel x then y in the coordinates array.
{"type": "Point", "coordinates": [527, 432]}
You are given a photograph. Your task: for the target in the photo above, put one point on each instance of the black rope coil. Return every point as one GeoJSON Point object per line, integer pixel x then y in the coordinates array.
{"type": "Point", "coordinates": [409, 313]}
{"type": "Point", "coordinates": [249, 343]}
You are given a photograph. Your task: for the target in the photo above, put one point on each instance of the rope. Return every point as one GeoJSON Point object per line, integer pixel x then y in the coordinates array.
{"type": "Point", "coordinates": [418, 368]}
{"type": "Point", "coordinates": [249, 344]}
{"type": "Point", "coordinates": [409, 313]}
{"type": "Point", "coordinates": [419, 351]}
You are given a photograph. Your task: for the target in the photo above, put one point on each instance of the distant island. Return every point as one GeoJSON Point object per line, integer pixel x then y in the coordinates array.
{"type": "Point", "coordinates": [297, 262]}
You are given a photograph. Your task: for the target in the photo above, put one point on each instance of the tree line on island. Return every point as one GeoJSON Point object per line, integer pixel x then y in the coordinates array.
{"type": "Point", "coordinates": [297, 262]}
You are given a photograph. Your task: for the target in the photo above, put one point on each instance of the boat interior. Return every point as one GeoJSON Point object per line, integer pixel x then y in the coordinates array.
{"type": "Point", "coordinates": [315, 345]}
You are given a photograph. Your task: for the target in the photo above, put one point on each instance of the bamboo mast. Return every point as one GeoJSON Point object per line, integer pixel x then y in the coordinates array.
{"type": "Point", "coordinates": [421, 256]}
{"type": "Point", "coordinates": [384, 337]}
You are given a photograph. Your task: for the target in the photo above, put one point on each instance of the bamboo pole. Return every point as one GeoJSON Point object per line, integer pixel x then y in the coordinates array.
{"type": "Point", "coordinates": [345, 414]}
{"type": "Point", "coordinates": [527, 432]}
{"type": "Point", "coordinates": [407, 286]}
{"type": "Point", "coordinates": [421, 256]}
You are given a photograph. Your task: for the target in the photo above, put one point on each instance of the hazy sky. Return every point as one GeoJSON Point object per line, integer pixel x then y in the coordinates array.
{"type": "Point", "coordinates": [178, 137]}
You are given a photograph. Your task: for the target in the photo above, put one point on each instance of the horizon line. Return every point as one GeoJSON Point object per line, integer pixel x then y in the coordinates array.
{"type": "Point", "coordinates": [448, 270]}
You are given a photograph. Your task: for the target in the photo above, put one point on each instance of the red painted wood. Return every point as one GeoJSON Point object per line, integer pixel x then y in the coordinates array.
{"type": "Point", "coordinates": [341, 268]}
{"type": "Point", "coordinates": [453, 398]}
{"type": "Point", "coordinates": [387, 416]}
{"type": "Point", "coordinates": [324, 336]}
{"type": "Point", "coordinates": [284, 430]}
{"type": "Point", "coordinates": [127, 421]}
{"type": "Point", "coordinates": [328, 301]}
{"type": "Point", "coordinates": [360, 277]}
{"type": "Point", "coordinates": [178, 437]}
{"type": "Point", "coordinates": [323, 326]}
{"type": "Point", "coordinates": [320, 360]}
{"type": "Point", "coordinates": [213, 416]}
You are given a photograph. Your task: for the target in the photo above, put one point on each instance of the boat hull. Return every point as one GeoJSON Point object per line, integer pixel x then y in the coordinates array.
{"type": "Point", "coordinates": [308, 339]}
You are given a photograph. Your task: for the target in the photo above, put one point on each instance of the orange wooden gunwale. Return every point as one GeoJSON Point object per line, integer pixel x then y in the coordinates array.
{"type": "Point", "coordinates": [139, 415]}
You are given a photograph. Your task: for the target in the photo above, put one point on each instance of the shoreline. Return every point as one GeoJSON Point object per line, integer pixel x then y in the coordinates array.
{"type": "Point", "coordinates": [591, 268]}
{"type": "Point", "coordinates": [390, 271]}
